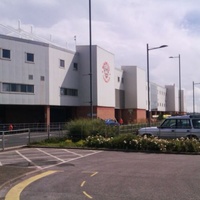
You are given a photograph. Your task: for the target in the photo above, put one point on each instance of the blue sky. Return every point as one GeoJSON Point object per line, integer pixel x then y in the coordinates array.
{"type": "Point", "coordinates": [123, 27]}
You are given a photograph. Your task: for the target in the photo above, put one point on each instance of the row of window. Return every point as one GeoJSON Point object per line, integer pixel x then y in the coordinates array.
{"type": "Point", "coordinates": [118, 79]}
{"type": "Point", "coordinates": [29, 57]}
{"type": "Point", "coordinates": [24, 88]}
{"type": "Point", "coordinates": [68, 91]}
{"type": "Point", "coordinates": [62, 64]}
{"type": "Point", "coordinates": [6, 54]}
{"type": "Point", "coordinates": [20, 88]}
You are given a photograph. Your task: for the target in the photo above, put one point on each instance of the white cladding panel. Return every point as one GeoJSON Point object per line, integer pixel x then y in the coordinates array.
{"type": "Point", "coordinates": [84, 75]}
{"type": "Point", "coordinates": [172, 98]}
{"type": "Point", "coordinates": [135, 87]}
{"type": "Point", "coordinates": [105, 78]}
{"type": "Point", "coordinates": [17, 71]}
{"type": "Point", "coordinates": [158, 97]}
{"type": "Point", "coordinates": [103, 90]}
{"type": "Point", "coordinates": [62, 77]}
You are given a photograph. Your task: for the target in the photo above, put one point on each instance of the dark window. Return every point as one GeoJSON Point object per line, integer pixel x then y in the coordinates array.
{"type": "Point", "coordinates": [30, 77]}
{"type": "Point", "coordinates": [68, 91]}
{"type": "Point", "coordinates": [169, 123]}
{"type": "Point", "coordinates": [118, 79]}
{"type": "Point", "coordinates": [30, 57]}
{"type": "Point", "coordinates": [6, 53]}
{"type": "Point", "coordinates": [13, 87]}
{"type": "Point", "coordinates": [62, 63]}
{"type": "Point", "coordinates": [42, 78]}
{"type": "Point", "coordinates": [75, 66]}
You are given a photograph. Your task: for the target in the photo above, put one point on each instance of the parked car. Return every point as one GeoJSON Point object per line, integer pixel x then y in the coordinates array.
{"type": "Point", "coordinates": [187, 126]}
{"type": "Point", "coordinates": [111, 122]}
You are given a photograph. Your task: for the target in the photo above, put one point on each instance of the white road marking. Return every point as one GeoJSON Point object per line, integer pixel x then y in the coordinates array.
{"type": "Point", "coordinates": [72, 159]}
{"type": "Point", "coordinates": [30, 161]}
{"type": "Point", "coordinates": [73, 153]}
{"type": "Point", "coordinates": [51, 155]}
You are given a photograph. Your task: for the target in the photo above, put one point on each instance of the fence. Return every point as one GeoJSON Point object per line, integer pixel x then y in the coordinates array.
{"type": "Point", "coordinates": [23, 134]}
{"type": "Point", "coordinates": [20, 135]}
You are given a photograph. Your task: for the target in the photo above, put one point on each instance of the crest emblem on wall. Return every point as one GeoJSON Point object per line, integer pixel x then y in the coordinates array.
{"type": "Point", "coordinates": [106, 72]}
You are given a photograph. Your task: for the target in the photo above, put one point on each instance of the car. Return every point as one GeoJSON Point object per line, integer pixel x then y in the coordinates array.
{"type": "Point", "coordinates": [186, 126]}
{"type": "Point", "coordinates": [111, 122]}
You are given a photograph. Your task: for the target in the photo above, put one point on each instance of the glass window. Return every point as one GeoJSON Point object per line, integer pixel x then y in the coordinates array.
{"type": "Point", "coordinates": [75, 66]}
{"type": "Point", "coordinates": [29, 57]}
{"type": "Point", "coordinates": [196, 123]}
{"type": "Point", "coordinates": [6, 53]}
{"type": "Point", "coordinates": [30, 77]}
{"type": "Point", "coordinates": [183, 123]}
{"type": "Point", "coordinates": [13, 87]}
{"type": "Point", "coordinates": [68, 91]}
{"type": "Point", "coordinates": [169, 123]}
{"type": "Point", "coordinates": [62, 63]}
{"type": "Point", "coordinates": [42, 78]}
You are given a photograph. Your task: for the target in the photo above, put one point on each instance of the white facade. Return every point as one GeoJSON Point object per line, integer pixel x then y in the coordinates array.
{"type": "Point", "coordinates": [158, 97]}
{"type": "Point", "coordinates": [172, 98]}
{"type": "Point", "coordinates": [102, 76]}
{"type": "Point", "coordinates": [17, 72]}
{"type": "Point", "coordinates": [135, 87]}
{"type": "Point", "coordinates": [37, 73]}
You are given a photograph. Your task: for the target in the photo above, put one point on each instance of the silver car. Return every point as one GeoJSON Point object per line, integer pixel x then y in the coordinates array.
{"type": "Point", "coordinates": [187, 126]}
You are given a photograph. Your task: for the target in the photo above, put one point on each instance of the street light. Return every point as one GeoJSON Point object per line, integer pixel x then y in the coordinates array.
{"type": "Point", "coordinates": [179, 58]}
{"type": "Point", "coordinates": [90, 36]}
{"type": "Point", "coordinates": [193, 83]}
{"type": "Point", "coordinates": [148, 89]}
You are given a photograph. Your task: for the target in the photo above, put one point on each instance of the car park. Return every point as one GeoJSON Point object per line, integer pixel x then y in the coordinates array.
{"type": "Point", "coordinates": [186, 126]}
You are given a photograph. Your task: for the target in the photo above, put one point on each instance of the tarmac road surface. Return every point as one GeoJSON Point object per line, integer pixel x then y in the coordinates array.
{"type": "Point", "coordinates": [83, 174]}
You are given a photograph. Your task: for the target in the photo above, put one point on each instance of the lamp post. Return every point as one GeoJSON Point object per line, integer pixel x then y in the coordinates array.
{"type": "Point", "coordinates": [179, 58]}
{"type": "Point", "coordinates": [90, 36]}
{"type": "Point", "coordinates": [148, 84]}
{"type": "Point", "coordinates": [193, 83]}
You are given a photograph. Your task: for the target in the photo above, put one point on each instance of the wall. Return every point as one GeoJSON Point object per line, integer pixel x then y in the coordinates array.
{"type": "Point", "coordinates": [17, 70]}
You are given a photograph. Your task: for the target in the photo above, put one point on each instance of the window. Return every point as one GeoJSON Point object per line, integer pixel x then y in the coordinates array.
{"type": "Point", "coordinates": [169, 123]}
{"type": "Point", "coordinates": [118, 79]}
{"type": "Point", "coordinates": [42, 78]}
{"type": "Point", "coordinates": [14, 87]}
{"type": "Point", "coordinates": [5, 54]}
{"type": "Point", "coordinates": [75, 66]}
{"type": "Point", "coordinates": [62, 63]}
{"type": "Point", "coordinates": [68, 91]}
{"type": "Point", "coordinates": [30, 77]}
{"type": "Point", "coordinates": [29, 57]}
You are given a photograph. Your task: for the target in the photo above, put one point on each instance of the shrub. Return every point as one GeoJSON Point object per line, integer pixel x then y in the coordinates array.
{"type": "Point", "coordinates": [82, 128]}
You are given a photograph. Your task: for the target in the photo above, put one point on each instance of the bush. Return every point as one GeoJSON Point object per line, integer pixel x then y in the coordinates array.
{"type": "Point", "coordinates": [82, 128]}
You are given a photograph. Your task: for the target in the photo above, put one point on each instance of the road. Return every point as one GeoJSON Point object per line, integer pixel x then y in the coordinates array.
{"type": "Point", "coordinates": [13, 139]}
{"type": "Point", "coordinates": [83, 174]}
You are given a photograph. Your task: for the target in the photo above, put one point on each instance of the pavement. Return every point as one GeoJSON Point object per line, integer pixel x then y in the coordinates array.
{"type": "Point", "coordinates": [9, 174]}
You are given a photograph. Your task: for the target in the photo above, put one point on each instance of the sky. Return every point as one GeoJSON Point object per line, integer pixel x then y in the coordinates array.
{"type": "Point", "coordinates": [124, 28]}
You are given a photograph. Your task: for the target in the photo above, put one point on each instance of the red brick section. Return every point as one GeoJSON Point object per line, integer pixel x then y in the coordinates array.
{"type": "Point", "coordinates": [99, 112]}
{"type": "Point", "coordinates": [106, 112]}
{"type": "Point", "coordinates": [133, 115]}
{"type": "Point", "coordinates": [128, 115]}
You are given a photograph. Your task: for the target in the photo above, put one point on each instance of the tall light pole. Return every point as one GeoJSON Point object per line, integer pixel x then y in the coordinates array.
{"type": "Point", "coordinates": [179, 58]}
{"type": "Point", "coordinates": [193, 83]}
{"type": "Point", "coordinates": [90, 36]}
{"type": "Point", "coordinates": [148, 83]}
